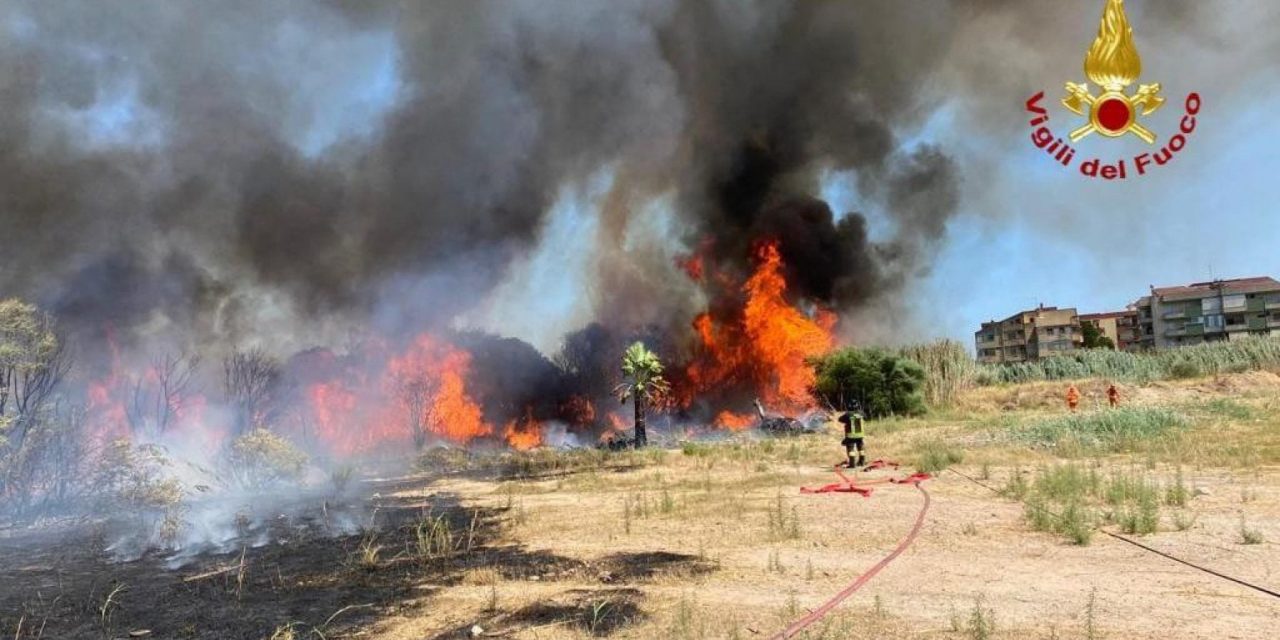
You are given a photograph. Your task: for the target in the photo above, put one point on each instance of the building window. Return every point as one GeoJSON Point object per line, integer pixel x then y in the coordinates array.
{"type": "Point", "coordinates": [1210, 305]}
{"type": "Point", "coordinates": [1235, 301]}
{"type": "Point", "coordinates": [1235, 321]}
{"type": "Point", "coordinates": [1213, 322]}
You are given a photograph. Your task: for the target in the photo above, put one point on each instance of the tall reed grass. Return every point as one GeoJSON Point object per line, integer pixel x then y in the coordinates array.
{"type": "Point", "coordinates": [948, 369]}
{"type": "Point", "coordinates": [1212, 358]}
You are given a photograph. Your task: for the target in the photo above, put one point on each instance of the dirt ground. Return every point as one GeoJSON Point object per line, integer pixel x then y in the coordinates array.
{"type": "Point", "coordinates": [716, 541]}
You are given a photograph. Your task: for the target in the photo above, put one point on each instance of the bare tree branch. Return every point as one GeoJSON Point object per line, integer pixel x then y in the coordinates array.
{"type": "Point", "coordinates": [250, 379]}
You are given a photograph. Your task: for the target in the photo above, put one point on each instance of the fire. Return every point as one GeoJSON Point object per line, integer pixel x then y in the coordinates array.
{"type": "Point", "coordinates": [692, 266]}
{"type": "Point", "coordinates": [783, 337]}
{"type": "Point", "coordinates": [413, 396]}
{"type": "Point", "coordinates": [733, 421]}
{"type": "Point", "coordinates": [579, 410]}
{"type": "Point", "coordinates": [107, 415]}
{"type": "Point", "coordinates": [333, 407]}
{"type": "Point", "coordinates": [441, 370]}
{"type": "Point", "coordinates": [526, 438]}
{"type": "Point", "coordinates": [617, 425]}
{"type": "Point", "coordinates": [382, 396]}
{"type": "Point", "coordinates": [766, 345]}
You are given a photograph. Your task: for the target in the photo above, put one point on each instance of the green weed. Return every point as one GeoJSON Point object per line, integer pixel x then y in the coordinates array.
{"type": "Point", "coordinates": [1118, 431]}
{"type": "Point", "coordinates": [934, 456]}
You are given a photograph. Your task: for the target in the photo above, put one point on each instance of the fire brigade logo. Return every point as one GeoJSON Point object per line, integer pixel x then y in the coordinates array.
{"type": "Point", "coordinates": [1113, 64]}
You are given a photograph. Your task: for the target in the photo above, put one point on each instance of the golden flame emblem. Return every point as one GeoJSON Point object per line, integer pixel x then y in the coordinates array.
{"type": "Point", "coordinates": [1113, 64]}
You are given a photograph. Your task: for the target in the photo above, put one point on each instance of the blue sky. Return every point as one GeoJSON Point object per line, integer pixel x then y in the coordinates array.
{"type": "Point", "coordinates": [1066, 240]}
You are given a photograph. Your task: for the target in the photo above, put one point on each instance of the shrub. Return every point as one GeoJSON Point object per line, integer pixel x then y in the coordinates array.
{"type": "Point", "coordinates": [1249, 536]}
{"type": "Point", "coordinates": [132, 482]}
{"type": "Point", "coordinates": [881, 383]}
{"type": "Point", "coordinates": [261, 458]}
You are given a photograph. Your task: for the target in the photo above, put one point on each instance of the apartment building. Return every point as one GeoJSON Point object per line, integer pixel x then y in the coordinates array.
{"type": "Point", "coordinates": [1121, 326]}
{"type": "Point", "coordinates": [1029, 335]}
{"type": "Point", "coordinates": [1209, 311]}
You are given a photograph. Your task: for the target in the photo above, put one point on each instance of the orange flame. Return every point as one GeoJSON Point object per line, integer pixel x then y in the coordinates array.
{"type": "Point", "coordinates": [526, 438]}
{"type": "Point", "coordinates": [767, 346]}
{"type": "Point", "coordinates": [734, 421]}
{"type": "Point", "coordinates": [450, 411]}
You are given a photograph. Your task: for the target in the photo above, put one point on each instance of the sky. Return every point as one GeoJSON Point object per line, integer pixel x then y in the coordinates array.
{"type": "Point", "coordinates": [1027, 232]}
{"type": "Point", "coordinates": [1032, 232]}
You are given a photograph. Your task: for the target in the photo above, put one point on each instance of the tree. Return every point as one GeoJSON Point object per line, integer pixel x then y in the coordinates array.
{"type": "Point", "coordinates": [33, 362]}
{"type": "Point", "coordinates": [879, 382]}
{"type": "Point", "coordinates": [414, 393]}
{"type": "Point", "coordinates": [645, 384]}
{"type": "Point", "coordinates": [250, 378]}
{"type": "Point", "coordinates": [1093, 338]}
{"type": "Point", "coordinates": [158, 396]}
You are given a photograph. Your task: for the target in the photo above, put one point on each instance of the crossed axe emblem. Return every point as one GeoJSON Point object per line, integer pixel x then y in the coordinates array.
{"type": "Point", "coordinates": [1078, 98]}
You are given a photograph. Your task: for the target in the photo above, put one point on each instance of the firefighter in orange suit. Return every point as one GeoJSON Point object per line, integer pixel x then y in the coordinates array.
{"type": "Point", "coordinates": [1113, 396]}
{"type": "Point", "coordinates": [1073, 398]}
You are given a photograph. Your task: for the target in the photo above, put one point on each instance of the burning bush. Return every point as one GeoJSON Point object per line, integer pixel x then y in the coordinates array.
{"type": "Point", "coordinates": [881, 383]}
{"type": "Point", "coordinates": [260, 459]}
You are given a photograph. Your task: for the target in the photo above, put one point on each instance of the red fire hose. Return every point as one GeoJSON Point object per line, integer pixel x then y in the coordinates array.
{"type": "Point", "coordinates": [848, 487]}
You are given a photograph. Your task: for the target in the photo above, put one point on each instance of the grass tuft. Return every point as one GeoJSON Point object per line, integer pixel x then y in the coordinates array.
{"type": "Point", "coordinates": [1117, 431]}
{"type": "Point", "coordinates": [934, 456]}
{"type": "Point", "coordinates": [1249, 536]}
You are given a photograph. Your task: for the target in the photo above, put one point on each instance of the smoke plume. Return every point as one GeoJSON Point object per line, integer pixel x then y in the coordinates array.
{"type": "Point", "coordinates": [279, 172]}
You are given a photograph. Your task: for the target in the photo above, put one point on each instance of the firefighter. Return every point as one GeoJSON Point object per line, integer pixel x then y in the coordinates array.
{"type": "Point", "coordinates": [853, 435]}
{"type": "Point", "coordinates": [1073, 398]}
{"type": "Point", "coordinates": [1113, 396]}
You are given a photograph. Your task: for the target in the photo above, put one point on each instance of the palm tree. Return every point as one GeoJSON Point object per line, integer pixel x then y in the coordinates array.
{"type": "Point", "coordinates": [645, 383]}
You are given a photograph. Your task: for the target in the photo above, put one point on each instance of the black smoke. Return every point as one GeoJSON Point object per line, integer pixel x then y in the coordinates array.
{"type": "Point", "coordinates": [203, 212]}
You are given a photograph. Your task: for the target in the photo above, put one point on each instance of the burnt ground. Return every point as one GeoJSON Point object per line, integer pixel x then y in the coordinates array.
{"type": "Point", "coordinates": [68, 585]}
{"type": "Point", "coordinates": [71, 588]}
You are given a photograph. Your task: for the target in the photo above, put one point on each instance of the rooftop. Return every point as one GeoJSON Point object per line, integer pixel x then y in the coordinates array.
{"type": "Point", "coordinates": [1203, 289]}
{"type": "Point", "coordinates": [1107, 314]}
{"type": "Point", "coordinates": [1029, 312]}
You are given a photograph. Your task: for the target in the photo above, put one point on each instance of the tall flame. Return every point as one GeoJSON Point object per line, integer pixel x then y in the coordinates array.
{"type": "Point", "coordinates": [766, 347]}
{"type": "Point", "coordinates": [783, 336]}
{"type": "Point", "coordinates": [1113, 62]}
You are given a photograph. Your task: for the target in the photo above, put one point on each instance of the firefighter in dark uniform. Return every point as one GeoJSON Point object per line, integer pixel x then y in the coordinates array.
{"type": "Point", "coordinates": [853, 435]}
